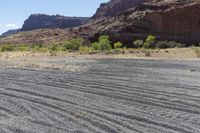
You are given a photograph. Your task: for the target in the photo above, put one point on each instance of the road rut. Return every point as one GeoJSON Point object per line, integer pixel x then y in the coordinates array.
{"type": "Point", "coordinates": [108, 96]}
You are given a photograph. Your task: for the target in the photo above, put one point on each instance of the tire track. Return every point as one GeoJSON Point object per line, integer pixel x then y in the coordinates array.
{"type": "Point", "coordinates": [114, 96]}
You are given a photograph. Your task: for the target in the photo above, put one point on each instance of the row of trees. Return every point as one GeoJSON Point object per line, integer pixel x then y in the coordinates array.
{"type": "Point", "coordinates": [102, 44]}
{"type": "Point", "coordinates": [150, 42]}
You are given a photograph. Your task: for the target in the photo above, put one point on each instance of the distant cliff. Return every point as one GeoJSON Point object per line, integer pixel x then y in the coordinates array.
{"type": "Point", "coordinates": [10, 32]}
{"type": "Point", "coordinates": [42, 21]}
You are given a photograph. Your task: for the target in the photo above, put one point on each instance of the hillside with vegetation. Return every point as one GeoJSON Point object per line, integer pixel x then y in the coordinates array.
{"type": "Point", "coordinates": [167, 23]}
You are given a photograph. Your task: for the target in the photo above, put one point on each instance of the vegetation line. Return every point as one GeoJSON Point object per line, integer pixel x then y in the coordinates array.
{"type": "Point", "coordinates": [103, 45]}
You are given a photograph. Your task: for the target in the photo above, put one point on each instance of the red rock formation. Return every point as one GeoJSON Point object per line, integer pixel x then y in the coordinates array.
{"type": "Point", "coordinates": [167, 19]}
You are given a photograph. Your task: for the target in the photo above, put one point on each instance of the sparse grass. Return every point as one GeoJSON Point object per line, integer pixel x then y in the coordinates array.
{"type": "Point", "coordinates": [87, 50]}
{"type": "Point", "coordinates": [40, 49]}
{"type": "Point", "coordinates": [22, 48]}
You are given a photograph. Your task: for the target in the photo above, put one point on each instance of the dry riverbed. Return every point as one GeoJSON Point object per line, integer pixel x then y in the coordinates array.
{"type": "Point", "coordinates": [74, 93]}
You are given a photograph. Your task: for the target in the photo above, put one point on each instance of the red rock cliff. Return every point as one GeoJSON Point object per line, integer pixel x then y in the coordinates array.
{"type": "Point", "coordinates": [167, 19]}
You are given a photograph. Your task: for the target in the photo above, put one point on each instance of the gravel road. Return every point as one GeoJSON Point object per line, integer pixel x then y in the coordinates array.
{"type": "Point", "coordinates": [107, 96]}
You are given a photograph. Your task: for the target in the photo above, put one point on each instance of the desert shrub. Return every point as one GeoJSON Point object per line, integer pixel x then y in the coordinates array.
{"type": "Point", "coordinates": [162, 44]}
{"type": "Point", "coordinates": [6, 47]}
{"type": "Point", "coordinates": [149, 42]}
{"type": "Point", "coordinates": [118, 45]}
{"type": "Point", "coordinates": [73, 44]}
{"type": "Point", "coordinates": [95, 46]}
{"type": "Point", "coordinates": [54, 47]}
{"type": "Point", "coordinates": [36, 47]}
{"type": "Point", "coordinates": [197, 51]}
{"type": "Point", "coordinates": [22, 48]}
{"type": "Point", "coordinates": [104, 43]}
{"type": "Point", "coordinates": [147, 45]}
{"type": "Point", "coordinates": [173, 44]}
{"type": "Point", "coordinates": [138, 43]}
{"type": "Point", "coordinates": [168, 44]}
{"type": "Point", "coordinates": [39, 48]}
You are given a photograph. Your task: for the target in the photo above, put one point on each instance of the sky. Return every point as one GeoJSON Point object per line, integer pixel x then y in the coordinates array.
{"type": "Point", "coordinates": [14, 12]}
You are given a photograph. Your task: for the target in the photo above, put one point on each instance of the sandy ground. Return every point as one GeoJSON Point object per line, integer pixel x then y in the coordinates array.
{"type": "Point", "coordinates": [48, 60]}
{"type": "Point", "coordinates": [102, 95]}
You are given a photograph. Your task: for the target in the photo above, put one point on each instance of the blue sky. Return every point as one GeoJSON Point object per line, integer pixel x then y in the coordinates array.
{"type": "Point", "coordinates": [14, 12]}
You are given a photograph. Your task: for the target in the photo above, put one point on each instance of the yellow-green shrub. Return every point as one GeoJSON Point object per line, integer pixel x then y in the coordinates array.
{"type": "Point", "coordinates": [118, 45]}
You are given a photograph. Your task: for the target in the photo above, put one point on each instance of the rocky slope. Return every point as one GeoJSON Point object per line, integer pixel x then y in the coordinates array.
{"type": "Point", "coordinates": [126, 20]}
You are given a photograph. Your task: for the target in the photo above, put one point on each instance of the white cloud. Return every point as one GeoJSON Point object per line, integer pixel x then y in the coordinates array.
{"type": "Point", "coordinates": [11, 26]}
{"type": "Point", "coordinates": [8, 26]}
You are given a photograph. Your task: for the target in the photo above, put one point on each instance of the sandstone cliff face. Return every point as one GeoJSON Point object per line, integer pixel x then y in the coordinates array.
{"type": "Point", "coordinates": [177, 22]}
{"type": "Point", "coordinates": [167, 19]}
{"type": "Point", "coordinates": [41, 21]}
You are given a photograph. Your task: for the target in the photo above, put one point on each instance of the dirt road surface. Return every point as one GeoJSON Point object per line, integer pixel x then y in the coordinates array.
{"type": "Point", "coordinates": [107, 96]}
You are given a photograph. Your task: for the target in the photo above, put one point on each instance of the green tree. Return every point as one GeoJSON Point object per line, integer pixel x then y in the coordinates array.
{"type": "Point", "coordinates": [95, 46]}
{"type": "Point", "coordinates": [104, 43]}
{"type": "Point", "coordinates": [73, 44]}
{"type": "Point", "coordinates": [150, 42]}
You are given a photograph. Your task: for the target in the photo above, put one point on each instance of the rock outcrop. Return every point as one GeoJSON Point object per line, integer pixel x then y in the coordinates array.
{"type": "Point", "coordinates": [42, 21]}
{"type": "Point", "coordinates": [114, 7]}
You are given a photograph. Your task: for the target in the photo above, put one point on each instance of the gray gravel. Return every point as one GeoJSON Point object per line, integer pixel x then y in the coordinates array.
{"type": "Point", "coordinates": [110, 96]}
